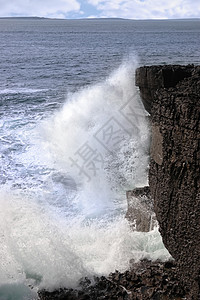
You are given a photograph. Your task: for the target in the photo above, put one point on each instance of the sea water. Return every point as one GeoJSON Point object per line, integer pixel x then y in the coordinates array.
{"type": "Point", "coordinates": [74, 136]}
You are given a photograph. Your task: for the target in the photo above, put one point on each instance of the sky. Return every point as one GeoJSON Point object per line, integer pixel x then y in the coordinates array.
{"type": "Point", "coordinates": [74, 9]}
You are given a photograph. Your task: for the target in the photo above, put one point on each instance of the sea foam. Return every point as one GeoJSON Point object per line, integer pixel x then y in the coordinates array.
{"type": "Point", "coordinates": [70, 223]}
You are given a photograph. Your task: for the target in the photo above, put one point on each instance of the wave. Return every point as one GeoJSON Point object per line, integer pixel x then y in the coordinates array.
{"type": "Point", "coordinates": [45, 251]}
{"type": "Point", "coordinates": [70, 222]}
{"type": "Point", "coordinates": [100, 137]}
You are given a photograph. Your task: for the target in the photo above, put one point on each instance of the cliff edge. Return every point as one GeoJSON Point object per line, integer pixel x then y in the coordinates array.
{"type": "Point", "coordinates": [171, 94]}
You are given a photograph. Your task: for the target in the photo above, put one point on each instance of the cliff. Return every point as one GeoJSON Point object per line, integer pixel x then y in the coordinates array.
{"type": "Point", "coordinates": [171, 94]}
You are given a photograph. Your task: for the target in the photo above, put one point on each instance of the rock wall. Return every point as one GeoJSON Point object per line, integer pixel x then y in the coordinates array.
{"type": "Point", "coordinates": [171, 94]}
{"type": "Point", "coordinates": [140, 213]}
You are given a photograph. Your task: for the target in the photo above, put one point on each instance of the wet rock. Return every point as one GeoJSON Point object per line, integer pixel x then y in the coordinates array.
{"type": "Point", "coordinates": [144, 281]}
{"type": "Point", "coordinates": [140, 212]}
{"type": "Point", "coordinates": [172, 95]}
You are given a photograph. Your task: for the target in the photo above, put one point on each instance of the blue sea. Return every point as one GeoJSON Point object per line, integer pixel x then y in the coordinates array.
{"type": "Point", "coordinates": [74, 137]}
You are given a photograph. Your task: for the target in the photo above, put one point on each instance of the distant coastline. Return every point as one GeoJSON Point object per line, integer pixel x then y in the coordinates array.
{"type": "Point", "coordinates": [25, 18]}
{"type": "Point", "coordinates": [118, 19]}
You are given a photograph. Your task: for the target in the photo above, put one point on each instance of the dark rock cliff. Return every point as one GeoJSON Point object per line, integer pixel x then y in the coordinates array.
{"type": "Point", "coordinates": [171, 94]}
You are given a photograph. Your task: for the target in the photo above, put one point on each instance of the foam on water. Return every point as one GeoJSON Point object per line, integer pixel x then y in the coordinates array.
{"type": "Point", "coordinates": [42, 250]}
{"type": "Point", "coordinates": [68, 221]}
{"type": "Point", "coordinates": [21, 91]}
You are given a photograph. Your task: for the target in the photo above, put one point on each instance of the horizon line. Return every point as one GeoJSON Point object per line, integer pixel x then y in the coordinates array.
{"type": "Point", "coordinates": [96, 18]}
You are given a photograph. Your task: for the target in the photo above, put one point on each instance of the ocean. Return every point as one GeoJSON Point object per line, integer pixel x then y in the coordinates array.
{"type": "Point", "coordinates": [74, 137]}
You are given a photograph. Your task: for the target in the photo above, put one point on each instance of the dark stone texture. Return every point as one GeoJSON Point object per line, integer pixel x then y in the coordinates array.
{"type": "Point", "coordinates": [151, 78]}
{"type": "Point", "coordinates": [172, 95]}
{"type": "Point", "coordinates": [145, 281]}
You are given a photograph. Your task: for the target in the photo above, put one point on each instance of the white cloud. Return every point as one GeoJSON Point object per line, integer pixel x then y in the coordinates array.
{"type": "Point", "coordinates": [40, 8]}
{"type": "Point", "coordinates": [133, 9]}
{"type": "Point", "coordinates": [148, 9]}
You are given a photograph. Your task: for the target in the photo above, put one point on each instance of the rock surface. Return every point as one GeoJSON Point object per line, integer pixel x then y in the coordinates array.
{"type": "Point", "coordinates": [149, 79]}
{"type": "Point", "coordinates": [140, 213]}
{"type": "Point", "coordinates": [145, 281]}
{"type": "Point", "coordinates": [172, 95]}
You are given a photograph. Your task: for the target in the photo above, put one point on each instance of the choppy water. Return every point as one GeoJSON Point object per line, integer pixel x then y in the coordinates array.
{"type": "Point", "coordinates": [73, 139]}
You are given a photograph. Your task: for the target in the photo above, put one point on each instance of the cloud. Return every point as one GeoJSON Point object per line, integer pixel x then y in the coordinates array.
{"type": "Point", "coordinates": [132, 9]}
{"type": "Point", "coordinates": [147, 9]}
{"type": "Point", "coordinates": [44, 8]}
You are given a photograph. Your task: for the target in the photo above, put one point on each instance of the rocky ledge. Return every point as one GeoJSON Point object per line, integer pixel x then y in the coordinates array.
{"type": "Point", "coordinates": [145, 281]}
{"type": "Point", "coordinates": [171, 94]}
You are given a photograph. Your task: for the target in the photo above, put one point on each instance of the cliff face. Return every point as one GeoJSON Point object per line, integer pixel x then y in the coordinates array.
{"type": "Point", "coordinates": [140, 213]}
{"type": "Point", "coordinates": [172, 96]}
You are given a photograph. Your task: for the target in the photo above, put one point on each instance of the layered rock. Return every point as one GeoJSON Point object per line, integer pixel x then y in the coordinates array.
{"type": "Point", "coordinates": [172, 95]}
{"type": "Point", "coordinates": [150, 79]}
